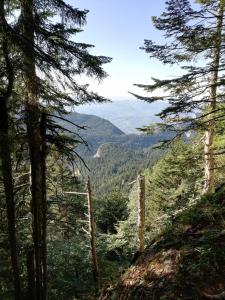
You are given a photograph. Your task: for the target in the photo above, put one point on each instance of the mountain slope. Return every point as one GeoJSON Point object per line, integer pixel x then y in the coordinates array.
{"type": "Point", "coordinates": [127, 114]}
{"type": "Point", "coordinates": [114, 166]}
{"type": "Point", "coordinates": [186, 262]}
{"type": "Point", "coordinates": [114, 158]}
{"type": "Point", "coordinates": [100, 131]}
{"type": "Point", "coordinates": [95, 125]}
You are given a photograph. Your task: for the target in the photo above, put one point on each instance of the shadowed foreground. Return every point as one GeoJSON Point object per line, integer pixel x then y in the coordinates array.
{"type": "Point", "coordinates": [187, 261]}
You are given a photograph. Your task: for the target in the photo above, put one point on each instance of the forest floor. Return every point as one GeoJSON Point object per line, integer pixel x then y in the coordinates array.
{"type": "Point", "coordinates": [187, 261]}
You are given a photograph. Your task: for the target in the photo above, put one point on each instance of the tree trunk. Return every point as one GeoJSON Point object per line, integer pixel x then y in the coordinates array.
{"type": "Point", "coordinates": [141, 212]}
{"type": "Point", "coordinates": [92, 237]}
{"type": "Point", "coordinates": [34, 137]}
{"type": "Point", "coordinates": [5, 155]}
{"type": "Point", "coordinates": [44, 202]}
{"type": "Point", "coordinates": [30, 274]}
{"type": "Point", "coordinates": [209, 134]}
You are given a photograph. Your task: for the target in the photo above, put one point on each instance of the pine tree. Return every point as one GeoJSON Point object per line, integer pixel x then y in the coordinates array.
{"type": "Point", "coordinates": [6, 90]}
{"type": "Point", "coordinates": [46, 87]}
{"type": "Point", "coordinates": [34, 137]}
{"type": "Point", "coordinates": [195, 42]}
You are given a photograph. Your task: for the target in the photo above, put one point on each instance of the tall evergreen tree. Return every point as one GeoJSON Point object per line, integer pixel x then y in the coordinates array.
{"type": "Point", "coordinates": [6, 90]}
{"type": "Point", "coordinates": [195, 41]}
{"type": "Point", "coordinates": [51, 60]}
{"type": "Point", "coordinates": [34, 138]}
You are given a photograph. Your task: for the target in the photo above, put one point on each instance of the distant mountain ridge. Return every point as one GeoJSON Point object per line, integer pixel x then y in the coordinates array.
{"type": "Point", "coordinates": [94, 124]}
{"type": "Point", "coordinates": [127, 115]}
{"type": "Point", "coordinates": [100, 131]}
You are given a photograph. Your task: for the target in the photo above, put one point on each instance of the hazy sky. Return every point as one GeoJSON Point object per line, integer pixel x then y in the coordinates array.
{"type": "Point", "coordinates": [118, 28]}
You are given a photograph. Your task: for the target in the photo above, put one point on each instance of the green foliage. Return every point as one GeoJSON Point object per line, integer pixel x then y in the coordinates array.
{"type": "Point", "coordinates": [175, 178]}
{"type": "Point", "coordinates": [111, 209]}
{"type": "Point", "coordinates": [171, 184]}
{"type": "Point", "coordinates": [99, 131]}
{"type": "Point", "coordinates": [41, 66]}
{"type": "Point", "coordinates": [70, 269]}
{"type": "Point", "coordinates": [187, 260]}
{"type": "Point", "coordinates": [124, 242]}
{"type": "Point", "coordinates": [192, 40]}
{"type": "Point", "coordinates": [118, 167]}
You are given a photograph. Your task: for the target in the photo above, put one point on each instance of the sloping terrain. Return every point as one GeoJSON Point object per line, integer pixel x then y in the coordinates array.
{"type": "Point", "coordinates": [113, 166]}
{"type": "Point", "coordinates": [100, 131]}
{"type": "Point", "coordinates": [125, 114]}
{"type": "Point", "coordinates": [113, 157]}
{"type": "Point", "coordinates": [186, 262]}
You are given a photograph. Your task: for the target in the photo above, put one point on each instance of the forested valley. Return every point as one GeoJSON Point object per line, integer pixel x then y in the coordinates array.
{"type": "Point", "coordinates": [88, 211]}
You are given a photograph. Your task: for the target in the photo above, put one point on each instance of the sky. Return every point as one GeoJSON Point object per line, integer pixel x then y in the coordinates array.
{"type": "Point", "coordinates": [118, 28]}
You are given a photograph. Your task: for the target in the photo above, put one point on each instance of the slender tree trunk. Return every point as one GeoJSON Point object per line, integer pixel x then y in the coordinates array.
{"type": "Point", "coordinates": [209, 134]}
{"type": "Point", "coordinates": [5, 155]}
{"type": "Point", "coordinates": [31, 275]}
{"type": "Point", "coordinates": [141, 212]}
{"type": "Point", "coordinates": [92, 237]}
{"type": "Point", "coordinates": [34, 137]}
{"type": "Point", "coordinates": [44, 202]}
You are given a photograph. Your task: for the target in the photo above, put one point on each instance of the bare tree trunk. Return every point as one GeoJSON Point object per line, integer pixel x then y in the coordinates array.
{"type": "Point", "coordinates": [31, 274]}
{"type": "Point", "coordinates": [44, 202]}
{"type": "Point", "coordinates": [92, 236]}
{"type": "Point", "coordinates": [34, 137]}
{"type": "Point", "coordinates": [36, 192]}
{"type": "Point", "coordinates": [5, 155]}
{"type": "Point", "coordinates": [141, 212]}
{"type": "Point", "coordinates": [209, 134]}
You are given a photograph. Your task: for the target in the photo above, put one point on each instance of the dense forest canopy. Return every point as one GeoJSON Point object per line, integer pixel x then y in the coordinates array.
{"type": "Point", "coordinates": [87, 211]}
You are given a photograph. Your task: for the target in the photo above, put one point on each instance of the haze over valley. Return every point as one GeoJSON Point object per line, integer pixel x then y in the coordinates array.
{"type": "Point", "coordinates": [127, 115]}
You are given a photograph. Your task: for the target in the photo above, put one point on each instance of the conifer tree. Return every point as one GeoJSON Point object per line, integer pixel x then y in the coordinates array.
{"type": "Point", "coordinates": [195, 41]}
{"type": "Point", "coordinates": [6, 90]}
{"type": "Point", "coordinates": [51, 61]}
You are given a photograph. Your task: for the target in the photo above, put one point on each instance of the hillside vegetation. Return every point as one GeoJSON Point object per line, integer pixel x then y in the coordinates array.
{"type": "Point", "coordinates": [184, 255]}
{"type": "Point", "coordinates": [87, 211]}
{"type": "Point", "coordinates": [115, 166]}
{"type": "Point", "coordinates": [113, 158]}
{"type": "Point", "coordinates": [99, 131]}
{"type": "Point", "coordinates": [186, 261]}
